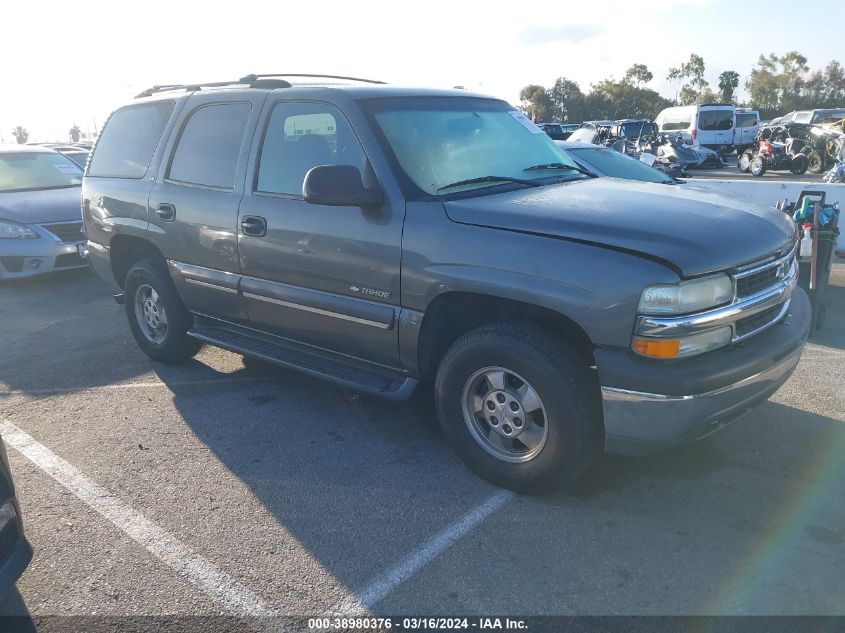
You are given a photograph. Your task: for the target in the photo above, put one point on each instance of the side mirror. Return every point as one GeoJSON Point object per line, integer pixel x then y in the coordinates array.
{"type": "Point", "coordinates": [339, 186]}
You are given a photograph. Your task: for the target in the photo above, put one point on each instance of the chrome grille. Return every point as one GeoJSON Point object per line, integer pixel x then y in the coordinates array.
{"type": "Point", "coordinates": [66, 231]}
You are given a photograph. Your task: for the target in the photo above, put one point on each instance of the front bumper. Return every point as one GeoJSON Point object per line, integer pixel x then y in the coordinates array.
{"type": "Point", "coordinates": [699, 395]}
{"type": "Point", "coordinates": [27, 258]}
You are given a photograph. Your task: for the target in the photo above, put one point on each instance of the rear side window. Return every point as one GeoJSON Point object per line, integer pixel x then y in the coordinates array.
{"type": "Point", "coordinates": [129, 139]}
{"type": "Point", "coordinates": [209, 146]}
{"type": "Point", "coordinates": [746, 120]}
{"type": "Point", "coordinates": [715, 120]}
{"type": "Point", "coordinates": [301, 136]}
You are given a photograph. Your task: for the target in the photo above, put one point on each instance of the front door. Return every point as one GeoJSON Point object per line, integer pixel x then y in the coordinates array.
{"type": "Point", "coordinates": [321, 275]}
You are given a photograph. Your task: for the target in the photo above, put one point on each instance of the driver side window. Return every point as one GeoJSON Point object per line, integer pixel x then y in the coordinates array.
{"type": "Point", "coordinates": [300, 136]}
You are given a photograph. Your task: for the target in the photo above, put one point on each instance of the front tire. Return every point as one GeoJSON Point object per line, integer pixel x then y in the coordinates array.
{"type": "Point", "coordinates": [743, 163]}
{"type": "Point", "coordinates": [758, 166]}
{"type": "Point", "coordinates": [520, 406]}
{"type": "Point", "coordinates": [157, 317]}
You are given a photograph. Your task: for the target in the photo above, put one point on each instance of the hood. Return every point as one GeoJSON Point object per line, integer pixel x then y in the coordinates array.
{"type": "Point", "coordinates": [46, 205]}
{"type": "Point", "coordinates": [694, 231]}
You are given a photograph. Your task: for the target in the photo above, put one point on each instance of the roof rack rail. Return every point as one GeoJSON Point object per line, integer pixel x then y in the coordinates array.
{"type": "Point", "coordinates": [252, 78]}
{"type": "Point", "coordinates": [267, 84]}
{"type": "Point", "coordinates": [268, 81]}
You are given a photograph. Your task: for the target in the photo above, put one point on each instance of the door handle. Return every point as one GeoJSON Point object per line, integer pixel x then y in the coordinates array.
{"type": "Point", "coordinates": [254, 226]}
{"type": "Point", "coordinates": [167, 212]}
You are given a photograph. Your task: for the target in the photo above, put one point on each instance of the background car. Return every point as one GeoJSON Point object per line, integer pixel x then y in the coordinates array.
{"type": "Point", "coordinates": [604, 161]}
{"type": "Point", "coordinates": [40, 212]}
{"type": "Point", "coordinates": [559, 131]}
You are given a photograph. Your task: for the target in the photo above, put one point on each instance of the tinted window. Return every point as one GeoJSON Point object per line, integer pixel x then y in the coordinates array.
{"type": "Point", "coordinates": [301, 136]}
{"type": "Point", "coordinates": [129, 139]}
{"type": "Point", "coordinates": [714, 120]}
{"type": "Point", "coordinates": [829, 116]}
{"type": "Point", "coordinates": [208, 148]}
{"type": "Point", "coordinates": [746, 119]}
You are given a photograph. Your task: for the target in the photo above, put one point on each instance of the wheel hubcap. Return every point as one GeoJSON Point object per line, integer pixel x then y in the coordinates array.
{"type": "Point", "coordinates": [504, 414]}
{"type": "Point", "coordinates": [150, 314]}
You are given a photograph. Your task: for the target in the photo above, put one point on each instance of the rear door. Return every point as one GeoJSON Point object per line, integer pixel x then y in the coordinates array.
{"type": "Point", "coordinates": [193, 207]}
{"type": "Point", "coordinates": [716, 125]}
{"type": "Point", "coordinates": [325, 276]}
{"type": "Point", "coordinates": [747, 125]}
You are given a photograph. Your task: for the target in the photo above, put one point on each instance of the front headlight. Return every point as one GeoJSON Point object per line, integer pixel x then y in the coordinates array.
{"type": "Point", "coordinates": [687, 296]}
{"type": "Point", "coordinates": [14, 231]}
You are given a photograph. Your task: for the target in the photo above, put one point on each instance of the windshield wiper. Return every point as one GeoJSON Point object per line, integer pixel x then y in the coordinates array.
{"type": "Point", "coordinates": [473, 181]}
{"type": "Point", "coordinates": [580, 170]}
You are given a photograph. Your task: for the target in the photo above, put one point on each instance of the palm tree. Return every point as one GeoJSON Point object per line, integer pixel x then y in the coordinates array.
{"type": "Point", "coordinates": [74, 133]}
{"type": "Point", "coordinates": [20, 134]}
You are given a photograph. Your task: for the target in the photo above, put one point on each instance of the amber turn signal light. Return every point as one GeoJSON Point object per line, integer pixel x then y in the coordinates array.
{"type": "Point", "coordinates": [663, 348]}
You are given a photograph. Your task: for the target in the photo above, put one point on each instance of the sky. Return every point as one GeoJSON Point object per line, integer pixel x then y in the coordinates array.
{"type": "Point", "coordinates": [74, 62]}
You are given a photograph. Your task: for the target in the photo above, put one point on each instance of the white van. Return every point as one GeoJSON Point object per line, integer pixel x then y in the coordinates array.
{"type": "Point", "coordinates": [708, 124]}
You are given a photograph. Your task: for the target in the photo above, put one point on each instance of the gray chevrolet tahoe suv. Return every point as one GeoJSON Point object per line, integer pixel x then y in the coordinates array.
{"type": "Point", "coordinates": [379, 237]}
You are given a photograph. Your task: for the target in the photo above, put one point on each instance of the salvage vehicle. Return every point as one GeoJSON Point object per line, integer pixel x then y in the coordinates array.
{"type": "Point", "coordinates": [385, 236]}
{"type": "Point", "coordinates": [15, 550]}
{"type": "Point", "coordinates": [769, 153]}
{"type": "Point", "coordinates": [672, 148]}
{"type": "Point", "coordinates": [40, 212]}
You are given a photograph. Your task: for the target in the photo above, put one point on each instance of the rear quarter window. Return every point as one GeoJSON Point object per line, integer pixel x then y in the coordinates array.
{"type": "Point", "coordinates": [126, 146]}
{"type": "Point", "coordinates": [674, 121]}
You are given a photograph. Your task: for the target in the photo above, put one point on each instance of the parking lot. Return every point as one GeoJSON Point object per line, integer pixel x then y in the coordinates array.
{"type": "Point", "coordinates": [224, 487]}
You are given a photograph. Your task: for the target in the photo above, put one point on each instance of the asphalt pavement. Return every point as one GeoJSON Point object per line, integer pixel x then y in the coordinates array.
{"type": "Point", "coordinates": [730, 170]}
{"type": "Point", "coordinates": [221, 487]}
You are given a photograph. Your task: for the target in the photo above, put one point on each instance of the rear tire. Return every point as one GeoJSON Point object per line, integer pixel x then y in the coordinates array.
{"type": "Point", "coordinates": [157, 317]}
{"type": "Point", "coordinates": [799, 164]}
{"type": "Point", "coordinates": [520, 406]}
{"type": "Point", "coordinates": [815, 162]}
{"type": "Point", "coordinates": [758, 166]}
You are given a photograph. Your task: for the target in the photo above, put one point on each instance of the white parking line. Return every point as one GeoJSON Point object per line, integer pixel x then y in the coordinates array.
{"type": "Point", "coordinates": [216, 584]}
{"type": "Point", "coordinates": [380, 587]}
{"type": "Point", "coordinates": [135, 385]}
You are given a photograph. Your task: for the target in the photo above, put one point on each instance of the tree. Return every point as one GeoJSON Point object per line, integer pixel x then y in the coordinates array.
{"type": "Point", "coordinates": [728, 82]}
{"type": "Point", "coordinates": [611, 99]}
{"type": "Point", "coordinates": [778, 84]}
{"type": "Point", "coordinates": [638, 74]}
{"type": "Point", "coordinates": [535, 102]}
{"type": "Point", "coordinates": [691, 76]}
{"type": "Point", "coordinates": [74, 133]}
{"type": "Point", "coordinates": [20, 134]}
{"type": "Point", "coordinates": [567, 100]}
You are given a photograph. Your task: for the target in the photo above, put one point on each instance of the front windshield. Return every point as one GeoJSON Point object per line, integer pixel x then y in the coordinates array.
{"type": "Point", "coordinates": [21, 171]}
{"type": "Point", "coordinates": [440, 141]}
{"type": "Point", "coordinates": [618, 165]}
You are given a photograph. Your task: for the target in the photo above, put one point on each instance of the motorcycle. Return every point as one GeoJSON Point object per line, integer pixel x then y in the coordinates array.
{"type": "Point", "coordinates": [771, 155]}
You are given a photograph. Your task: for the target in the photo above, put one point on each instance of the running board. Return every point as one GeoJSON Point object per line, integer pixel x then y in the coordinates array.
{"type": "Point", "coordinates": [292, 356]}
